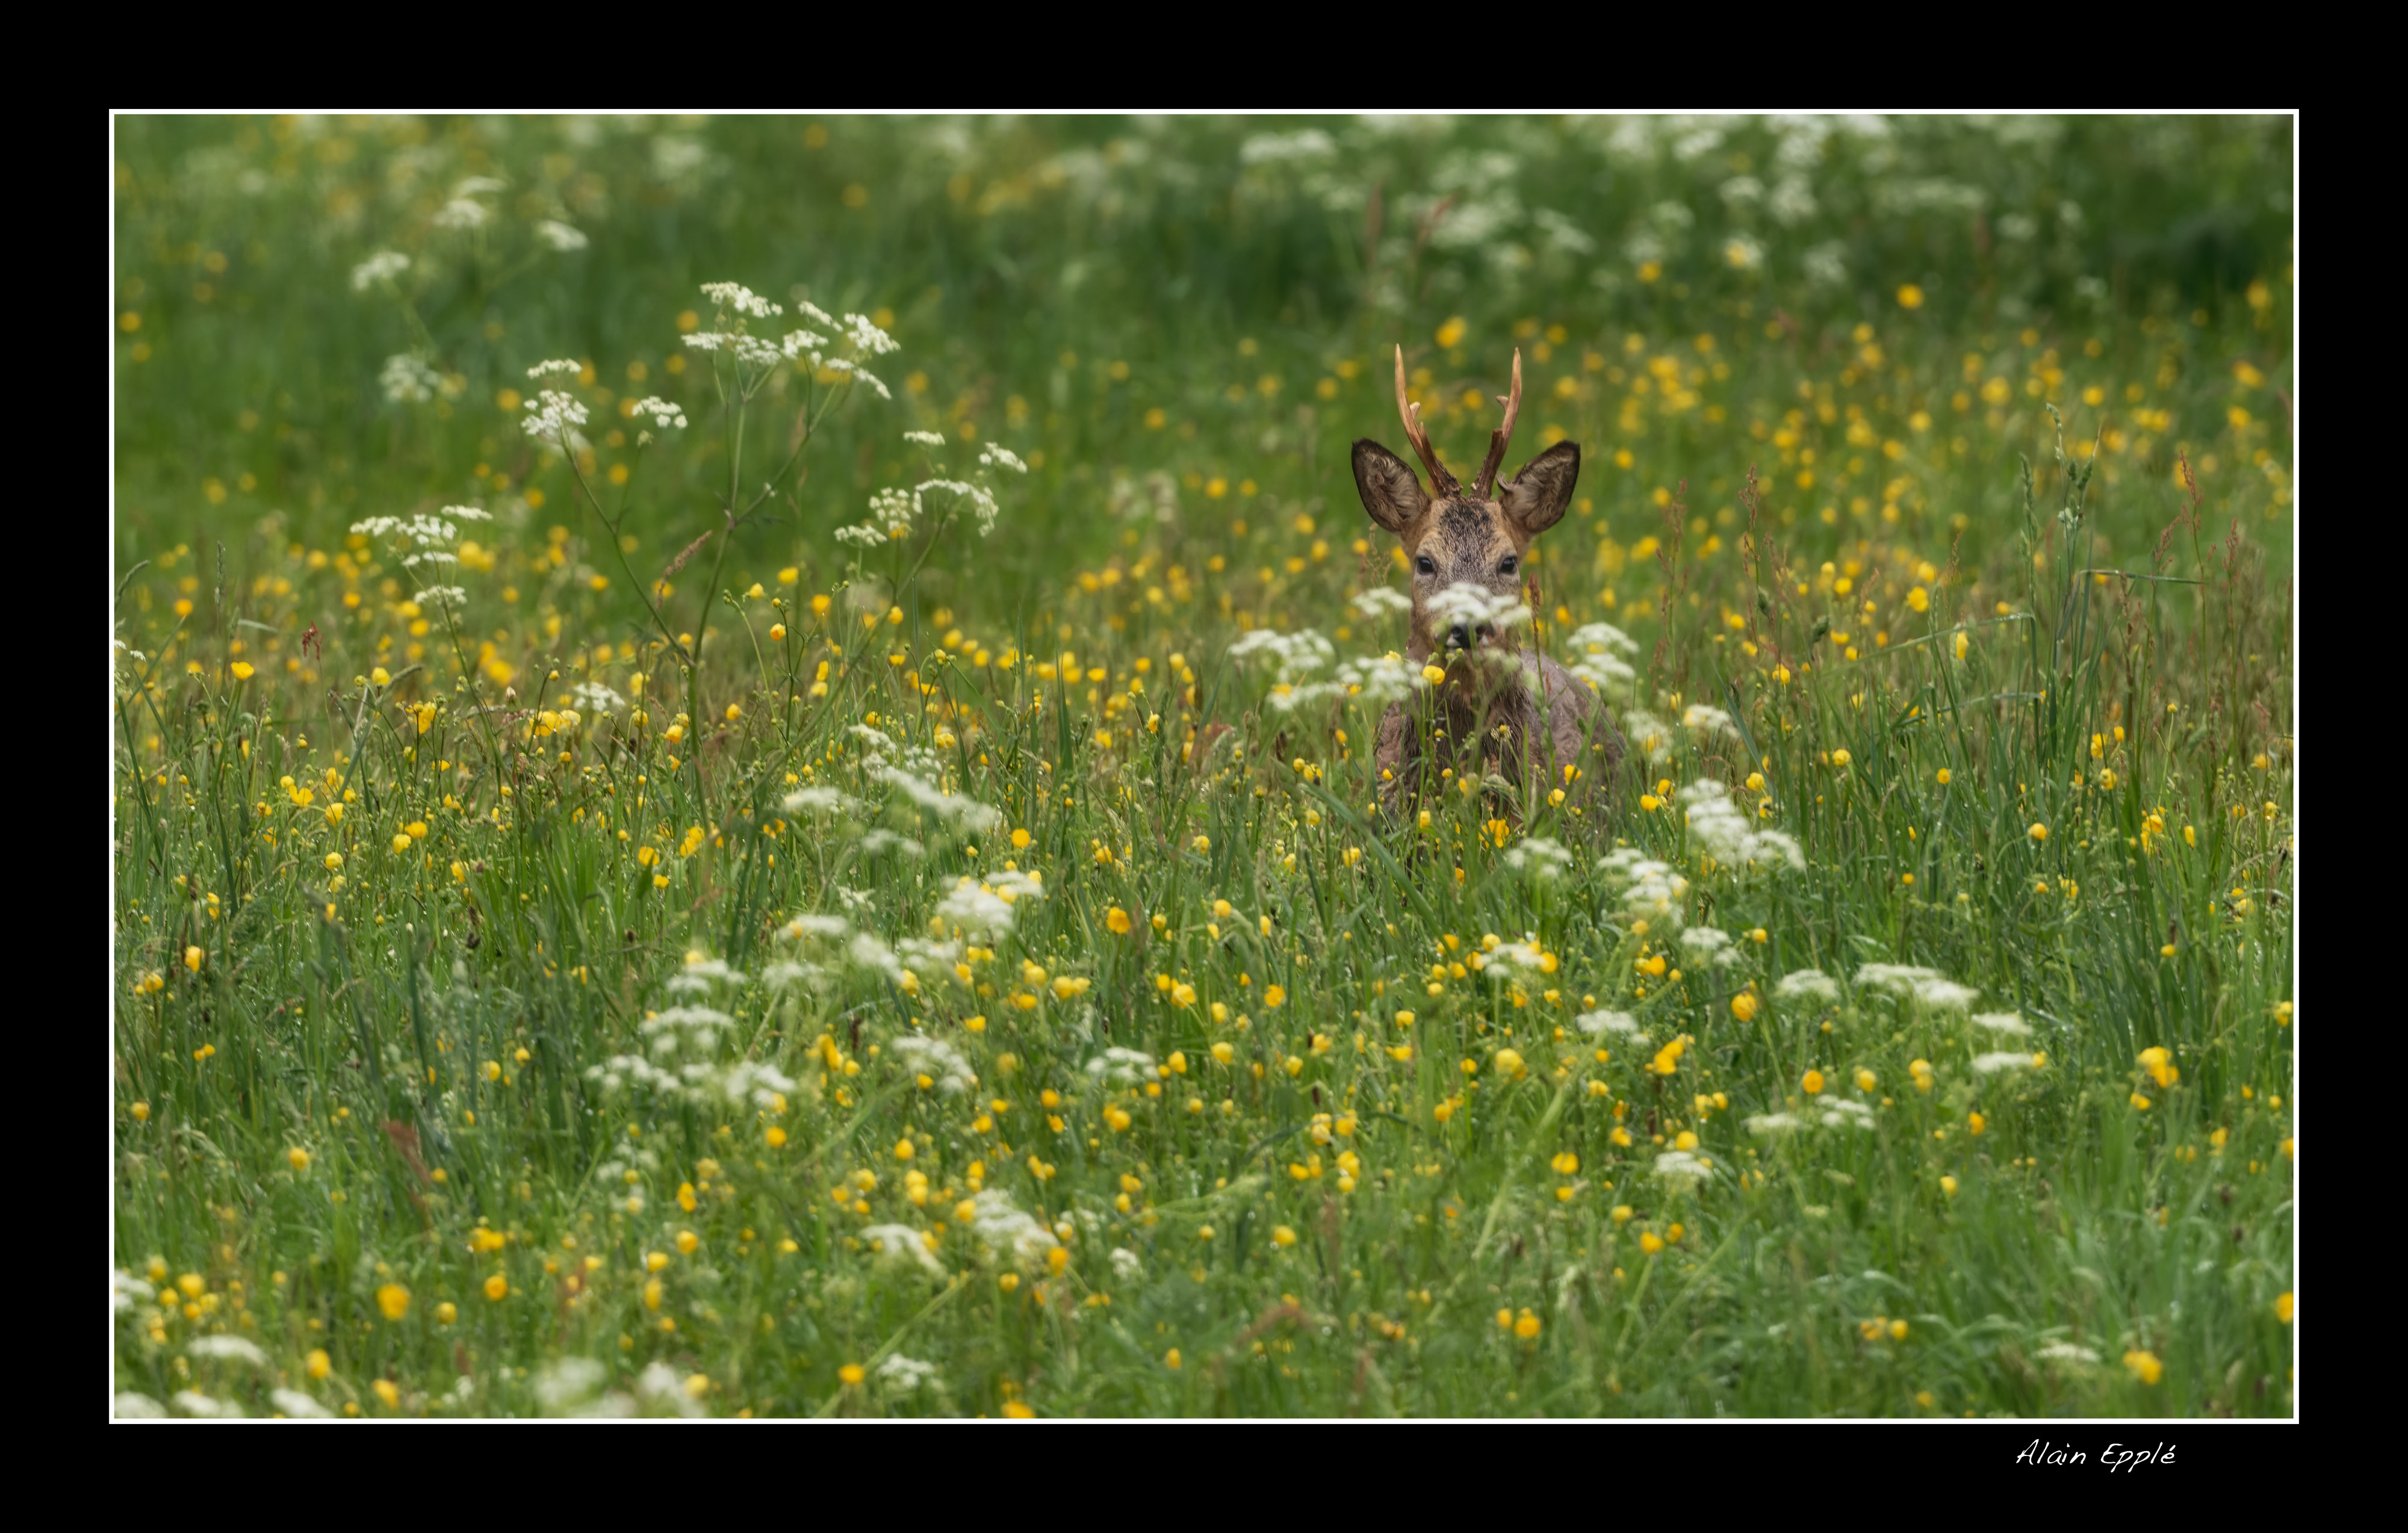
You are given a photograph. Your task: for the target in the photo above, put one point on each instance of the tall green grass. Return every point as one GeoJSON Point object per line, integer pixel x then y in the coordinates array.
{"type": "Point", "coordinates": [2027, 721]}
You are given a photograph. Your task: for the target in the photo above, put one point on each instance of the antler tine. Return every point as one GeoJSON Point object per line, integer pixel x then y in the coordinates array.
{"type": "Point", "coordinates": [1503, 434]}
{"type": "Point", "coordinates": [1442, 483]}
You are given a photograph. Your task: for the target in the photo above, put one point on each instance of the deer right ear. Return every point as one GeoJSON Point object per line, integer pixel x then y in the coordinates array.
{"type": "Point", "coordinates": [1389, 490]}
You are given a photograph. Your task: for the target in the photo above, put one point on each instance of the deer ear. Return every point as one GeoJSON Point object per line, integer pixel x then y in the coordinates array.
{"type": "Point", "coordinates": [1390, 491]}
{"type": "Point", "coordinates": [1535, 498]}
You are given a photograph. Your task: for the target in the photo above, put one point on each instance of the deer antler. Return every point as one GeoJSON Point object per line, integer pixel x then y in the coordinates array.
{"type": "Point", "coordinates": [1503, 434]}
{"type": "Point", "coordinates": [1442, 482]}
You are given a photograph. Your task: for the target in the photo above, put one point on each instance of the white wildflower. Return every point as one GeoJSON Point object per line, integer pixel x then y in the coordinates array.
{"type": "Point", "coordinates": [131, 1406]}
{"type": "Point", "coordinates": [868, 338]}
{"type": "Point", "coordinates": [1126, 1263]}
{"type": "Point", "coordinates": [1539, 856]}
{"type": "Point", "coordinates": [1897, 979]}
{"type": "Point", "coordinates": [552, 412]}
{"type": "Point", "coordinates": [892, 1240]}
{"type": "Point", "coordinates": [1380, 601]}
{"type": "Point", "coordinates": [407, 379]}
{"type": "Point", "coordinates": [125, 1291]}
{"type": "Point", "coordinates": [1009, 1230]}
{"type": "Point", "coordinates": [905, 1374]}
{"type": "Point", "coordinates": [556, 368]}
{"type": "Point", "coordinates": [1838, 1112]}
{"type": "Point", "coordinates": [567, 1383]}
{"type": "Point", "coordinates": [1467, 605]}
{"type": "Point", "coordinates": [2007, 1022]}
{"type": "Point", "coordinates": [1728, 833]}
{"type": "Point", "coordinates": [383, 266]}
{"type": "Point", "coordinates": [662, 1392]}
{"type": "Point", "coordinates": [995, 455]}
{"type": "Point", "coordinates": [742, 299]}
{"type": "Point", "coordinates": [1945, 995]}
{"type": "Point", "coordinates": [463, 213]}
{"type": "Point", "coordinates": [1680, 1170]}
{"type": "Point", "coordinates": [821, 801]}
{"type": "Point", "coordinates": [596, 697]}
{"type": "Point", "coordinates": [1649, 736]}
{"type": "Point", "coordinates": [1700, 718]}
{"type": "Point", "coordinates": [561, 237]}
{"type": "Point", "coordinates": [926, 439]}
{"type": "Point", "coordinates": [1620, 1023]}
{"type": "Point", "coordinates": [828, 928]}
{"type": "Point", "coordinates": [1122, 1067]}
{"type": "Point", "coordinates": [192, 1402]}
{"type": "Point", "coordinates": [967, 812]}
{"type": "Point", "coordinates": [299, 1407]}
{"type": "Point", "coordinates": [936, 1059]}
{"type": "Point", "coordinates": [228, 1349]}
{"type": "Point", "coordinates": [975, 909]}
{"type": "Point", "coordinates": [2066, 1352]}
{"type": "Point", "coordinates": [2005, 1059]}
{"type": "Point", "coordinates": [663, 413]}
{"type": "Point", "coordinates": [1769, 1124]}
{"type": "Point", "coordinates": [1807, 984]}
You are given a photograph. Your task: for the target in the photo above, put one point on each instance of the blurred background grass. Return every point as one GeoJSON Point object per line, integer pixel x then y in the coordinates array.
{"type": "Point", "coordinates": [1054, 280]}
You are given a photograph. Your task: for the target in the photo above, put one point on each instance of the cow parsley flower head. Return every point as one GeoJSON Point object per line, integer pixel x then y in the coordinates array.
{"type": "Point", "coordinates": [550, 413]}
{"type": "Point", "coordinates": [1728, 833]}
{"type": "Point", "coordinates": [383, 266]}
{"type": "Point", "coordinates": [1541, 857]}
{"type": "Point", "coordinates": [1597, 1024]}
{"type": "Point", "coordinates": [820, 800]}
{"type": "Point", "coordinates": [1009, 1231]}
{"type": "Point", "coordinates": [228, 1349]}
{"type": "Point", "coordinates": [300, 1407]}
{"type": "Point", "coordinates": [1600, 654]}
{"type": "Point", "coordinates": [1838, 1112]}
{"type": "Point", "coordinates": [561, 237]}
{"type": "Point", "coordinates": [905, 1374]}
{"type": "Point", "coordinates": [1770, 1123]}
{"type": "Point", "coordinates": [407, 380]}
{"type": "Point", "coordinates": [951, 807]}
{"type": "Point", "coordinates": [1703, 719]}
{"type": "Point", "coordinates": [936, 1059]}
{"type": "Point", "coordinates": [868, 338]}
{"type": "Point", "coordinates": [995, 455]}
{"type": "Point", "coordinates": [1122, 1067]}
{"type": "Point", "coordinates": [1680, 1170]}
{"type": "Point", "coordinates": [1476, 607]}
{"type": "Point", "coordinates": [1380, 601]}
{"type": "Point", "coordinates": [463, 213]}
{"type": "Point", "coordinates": [1897, 979]}
{"type": "Point", "coordinates": [899, 1241]}
{"type": "Point", "coordinates": [1807, 984]}
{"type": "Point", "coordinates": [926, 439]}
{"type": "Point", "coordinates": [742, 299]}
{"type": "Point", "coordinates": [2006, 1022]}
{"type": "Point", "coordinates": [663, 413]}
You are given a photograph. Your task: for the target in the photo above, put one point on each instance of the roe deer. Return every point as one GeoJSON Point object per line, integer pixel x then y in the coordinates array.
{"type": "Point", "coordinates": [1502, 712]}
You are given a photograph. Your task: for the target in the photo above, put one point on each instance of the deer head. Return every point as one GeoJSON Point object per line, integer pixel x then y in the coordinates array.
{"type": "Point", "coordinates": [1454, 539]}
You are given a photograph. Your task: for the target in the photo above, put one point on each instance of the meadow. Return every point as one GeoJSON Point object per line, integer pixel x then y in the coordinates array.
{"type": "Point", "coordinates": [741, 773]}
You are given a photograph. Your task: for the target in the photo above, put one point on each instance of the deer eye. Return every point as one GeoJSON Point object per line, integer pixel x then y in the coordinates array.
{"type": "Point", "coordinates": [1508, 567]}
{"type": "Point", "coordinates": [1425, 565]}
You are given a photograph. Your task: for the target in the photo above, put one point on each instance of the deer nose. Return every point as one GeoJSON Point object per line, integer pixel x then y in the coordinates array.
{"type": "Point", "coordinates": [1460, 635]}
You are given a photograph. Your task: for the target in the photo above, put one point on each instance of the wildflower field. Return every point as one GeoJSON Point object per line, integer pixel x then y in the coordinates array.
{"type": "Point", "coordinates": [742, 784]}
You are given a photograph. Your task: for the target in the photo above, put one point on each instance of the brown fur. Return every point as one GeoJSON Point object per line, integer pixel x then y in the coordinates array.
{"type": "Point", "coordinates": [1503, 713]}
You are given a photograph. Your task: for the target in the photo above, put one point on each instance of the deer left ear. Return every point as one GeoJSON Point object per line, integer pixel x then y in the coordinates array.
{"type": "Point", "coordinates": [1535, 498]}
